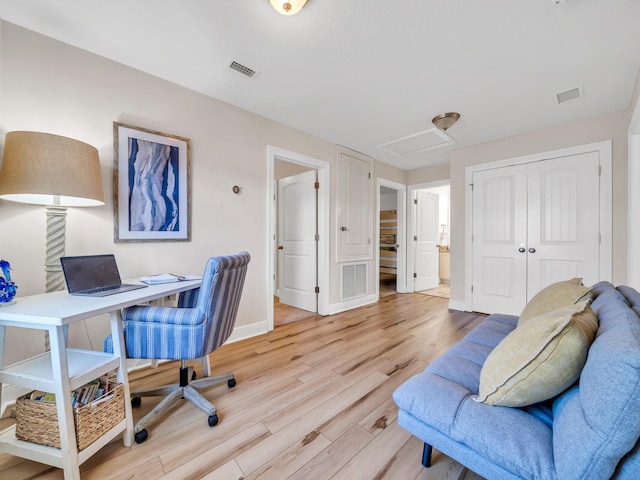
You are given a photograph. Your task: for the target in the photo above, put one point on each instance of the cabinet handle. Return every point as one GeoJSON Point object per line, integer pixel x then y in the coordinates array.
{"type": "Point", "coordinates": [344, 229]}
{"type": "Point", "coordinates": [532, 250]}
{"type": "Point", "coordinates": [522, 250]}
{"type": "Point", "coordinates": [280, 247]}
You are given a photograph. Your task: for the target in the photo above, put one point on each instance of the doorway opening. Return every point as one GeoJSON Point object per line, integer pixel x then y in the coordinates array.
{"type": "Point", "coordinates": [430, 257]}
{"type": "Point", "coordinates": [391, 238]}
{"type": "Point", "coordinates": [298, 237]}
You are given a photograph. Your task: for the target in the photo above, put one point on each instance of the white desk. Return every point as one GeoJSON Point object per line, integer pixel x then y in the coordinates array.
{"type": "Point", "coordinates": [64, 369]}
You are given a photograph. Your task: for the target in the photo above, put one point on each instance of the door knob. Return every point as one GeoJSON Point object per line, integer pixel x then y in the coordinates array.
{"type": "Point", "coordinates": [280, 247]}
{"type": "Point", "coordinates": [532, 250]}
{"type": "Point", "coordinates": [522, 250]}
{"type": "Point", "coordinates": [344, 229]}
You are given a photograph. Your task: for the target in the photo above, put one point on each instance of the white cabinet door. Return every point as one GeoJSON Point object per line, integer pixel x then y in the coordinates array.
{"type": "Point", "coordinates": [426, 273]}
{"type": "Point", "coordinates": [534, 224]}
{"type": "Point", "coordinates": [297, 260]}
{"type": "Point", "coordinates": [499, 240]}
{"type": "Point", "coordinates": [355, 207]}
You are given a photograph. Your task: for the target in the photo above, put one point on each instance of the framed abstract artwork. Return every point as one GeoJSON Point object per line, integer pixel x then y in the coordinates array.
{"type": "Point", "coordinates": [152, 197]}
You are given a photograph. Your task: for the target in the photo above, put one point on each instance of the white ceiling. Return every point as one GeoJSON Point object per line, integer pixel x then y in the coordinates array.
{"type": "Point", "coordinates": [365, 73]}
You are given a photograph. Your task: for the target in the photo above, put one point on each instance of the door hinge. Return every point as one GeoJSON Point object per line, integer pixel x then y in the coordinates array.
{"type": "Point", "coordinates": [599, 238]}
{"type": "Point", "coordinates": [415, 275]}
{"type": "Point", "coordinates": [369, 174]}
{"type": "Point", "coordinates": [471, 288]}
{"type": "Point", "coordinates": [471, 185]}
{"type": "Point", "coordinates": [415, 201]}
{"type": "Point", "coordinates": [317, 289]}
{"type": "Point", "coordinates": [317, 237]}
{"type": "Point", "coordinates": [415, 238]}
{"type": "Point", "coordinates": [316, 185]}
{"type": "Point", "coordinates": [599, 170]}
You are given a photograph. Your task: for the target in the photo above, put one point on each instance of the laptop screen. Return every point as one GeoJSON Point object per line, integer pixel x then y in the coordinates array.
{"type": "Point", "coordinates": [90, 271]}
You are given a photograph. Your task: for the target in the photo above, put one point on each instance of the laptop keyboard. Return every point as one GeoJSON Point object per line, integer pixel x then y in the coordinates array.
{"type": "Point", "coordinates": [101, 289]}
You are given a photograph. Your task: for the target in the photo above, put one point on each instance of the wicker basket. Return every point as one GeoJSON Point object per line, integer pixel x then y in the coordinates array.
{"type": "Point", "coordinates": [37, 421]}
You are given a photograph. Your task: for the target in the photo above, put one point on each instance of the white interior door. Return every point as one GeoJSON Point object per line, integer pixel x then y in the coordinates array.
{"type": "Point", "coordinates": [426, 272]}
{"type": "Point", "coordinates": [563, 228]}
{"type": "Point", "coordinates": [297, 227]}
{"type": "Point", "coordinates": [500, 240]}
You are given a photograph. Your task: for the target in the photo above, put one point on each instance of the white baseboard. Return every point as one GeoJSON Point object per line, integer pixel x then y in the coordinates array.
{"type": "Point", "coordinates": [248, 331]}
{"type": "Point", "coordinates": [357, 302]}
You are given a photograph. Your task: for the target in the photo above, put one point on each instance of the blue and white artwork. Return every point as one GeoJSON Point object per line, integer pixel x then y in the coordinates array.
{"type": "Point", "coordinates": [154, 186]}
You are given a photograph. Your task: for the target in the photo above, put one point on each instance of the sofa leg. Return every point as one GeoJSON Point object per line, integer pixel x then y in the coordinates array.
{"type": "Point", "coordinates": [426, 455]}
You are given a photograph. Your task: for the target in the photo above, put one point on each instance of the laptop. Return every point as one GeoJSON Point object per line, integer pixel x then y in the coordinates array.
{"type": "Point", "coordinates": [94, 276]}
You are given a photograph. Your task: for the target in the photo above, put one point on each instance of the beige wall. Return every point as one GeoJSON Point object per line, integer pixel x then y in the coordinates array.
{"type": "Point", "coordinates": [433, 173]}
{"type": "Point", "coordinates": [611, 126]}
{"type": "Point", "coordinates": [52, 87]}
{"type": "Point", "coordinates": [388, 172]}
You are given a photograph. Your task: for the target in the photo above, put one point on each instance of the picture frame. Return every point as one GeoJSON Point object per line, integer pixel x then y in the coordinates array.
{"type": "Point", "coordinates": [151, 185]}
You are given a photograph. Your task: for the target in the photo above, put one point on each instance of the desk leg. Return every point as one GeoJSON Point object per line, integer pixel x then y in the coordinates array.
{"type": "Point", "coordinates": [60, 370]}
{"type": "Point", "coordinates": [117, 334]}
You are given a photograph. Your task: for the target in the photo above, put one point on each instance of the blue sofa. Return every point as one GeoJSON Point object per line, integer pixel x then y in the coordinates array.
{"type": "Point", "coordinates": [589, 431]}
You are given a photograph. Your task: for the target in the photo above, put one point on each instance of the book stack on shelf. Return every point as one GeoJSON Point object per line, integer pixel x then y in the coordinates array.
{"type": "Point", "coordinates": [97, 407]}
{"type": "Point", "coordinates": [99, 389]}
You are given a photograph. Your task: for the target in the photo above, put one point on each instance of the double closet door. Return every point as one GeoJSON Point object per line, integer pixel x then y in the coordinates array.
{"type": "Point", "coordinates": [534, 224]}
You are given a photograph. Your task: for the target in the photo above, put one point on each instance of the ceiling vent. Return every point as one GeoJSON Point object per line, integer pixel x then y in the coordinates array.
{"type": "Point", "coordinates": [418, 142]}
{"type": "Point", "coordinates": [243, 69]}
{"type": "Point", "coordinates": [569, 95]}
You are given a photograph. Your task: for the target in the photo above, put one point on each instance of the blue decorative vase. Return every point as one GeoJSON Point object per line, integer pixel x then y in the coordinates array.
{"type": "Point", "coordinates": [7, 287]}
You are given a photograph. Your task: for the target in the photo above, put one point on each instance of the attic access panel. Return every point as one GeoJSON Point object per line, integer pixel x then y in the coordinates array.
{"type": "Point", "coordinates": [418, 142]}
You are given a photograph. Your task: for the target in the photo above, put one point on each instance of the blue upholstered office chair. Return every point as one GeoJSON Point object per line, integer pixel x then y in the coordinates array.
{"type": "Point", "coordinates": [202, 322]}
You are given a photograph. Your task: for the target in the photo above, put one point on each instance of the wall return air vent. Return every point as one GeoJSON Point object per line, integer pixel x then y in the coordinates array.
{"type": "Point", "coordinates": [354, 281]}
{"type": "Point", "coordinates": [243, 69]}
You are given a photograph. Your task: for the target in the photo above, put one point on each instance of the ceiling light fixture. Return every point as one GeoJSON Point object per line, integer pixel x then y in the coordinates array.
{"type": "Point", "coordinates": [288, 7]}
{"type": "Point", "coordinates": [445, 120]}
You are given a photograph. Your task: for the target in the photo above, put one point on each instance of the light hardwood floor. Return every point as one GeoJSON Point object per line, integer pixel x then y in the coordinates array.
{"type": "Point", "coordinates": [313, 401]}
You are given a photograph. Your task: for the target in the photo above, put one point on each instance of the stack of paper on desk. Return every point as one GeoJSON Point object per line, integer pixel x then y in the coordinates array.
{"type": "Point", "coordinates": [167, 278]}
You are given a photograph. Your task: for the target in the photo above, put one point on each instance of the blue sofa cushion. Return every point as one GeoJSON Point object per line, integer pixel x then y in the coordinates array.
{"type": "Point", "coordinates": [442, 398]}
{"type": "Point", "coordinates": [597, 424]}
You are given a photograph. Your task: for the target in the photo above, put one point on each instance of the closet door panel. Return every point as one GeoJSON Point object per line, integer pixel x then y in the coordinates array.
{"type": "Point", "coordinates": [499, 235]}
{"type": "Point", "coordinates": [563, 226]}
{"type": "Point", "coordinates": [354, 207]}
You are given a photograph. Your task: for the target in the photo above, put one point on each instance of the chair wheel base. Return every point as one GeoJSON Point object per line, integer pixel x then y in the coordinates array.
{"type": "Point", "coordinates": [231, 383]}
{"type": "Point", "coordinates": [136, 402]}
{"type": "Point", "coordinates": [213, 420]}
{"type": "Point", "coordinates": [141, 436]}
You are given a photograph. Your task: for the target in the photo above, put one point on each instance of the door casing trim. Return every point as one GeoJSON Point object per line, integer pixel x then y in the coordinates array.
{"type": "Point", "coordinates": [323, 169]}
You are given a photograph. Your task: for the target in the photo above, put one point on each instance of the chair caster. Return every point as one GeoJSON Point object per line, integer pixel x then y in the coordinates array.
{"type": "Point", "coordinates": [231, 383]}
{"type": "Point", "coordinates": [141, 436]}
{"type": "Point", "coordinates": [213, 420]}
{"type": "Point", "coordinates": [136, 402]}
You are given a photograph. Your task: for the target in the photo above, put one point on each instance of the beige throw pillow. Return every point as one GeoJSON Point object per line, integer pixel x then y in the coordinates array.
{"type": "Point", "coordinates": [540, 358]}
{"type": "Point", "coordinates": [555, 296]}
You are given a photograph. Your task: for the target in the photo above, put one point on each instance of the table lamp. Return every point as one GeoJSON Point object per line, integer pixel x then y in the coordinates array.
{"type": "Point", "coordinates": [59, 172]}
